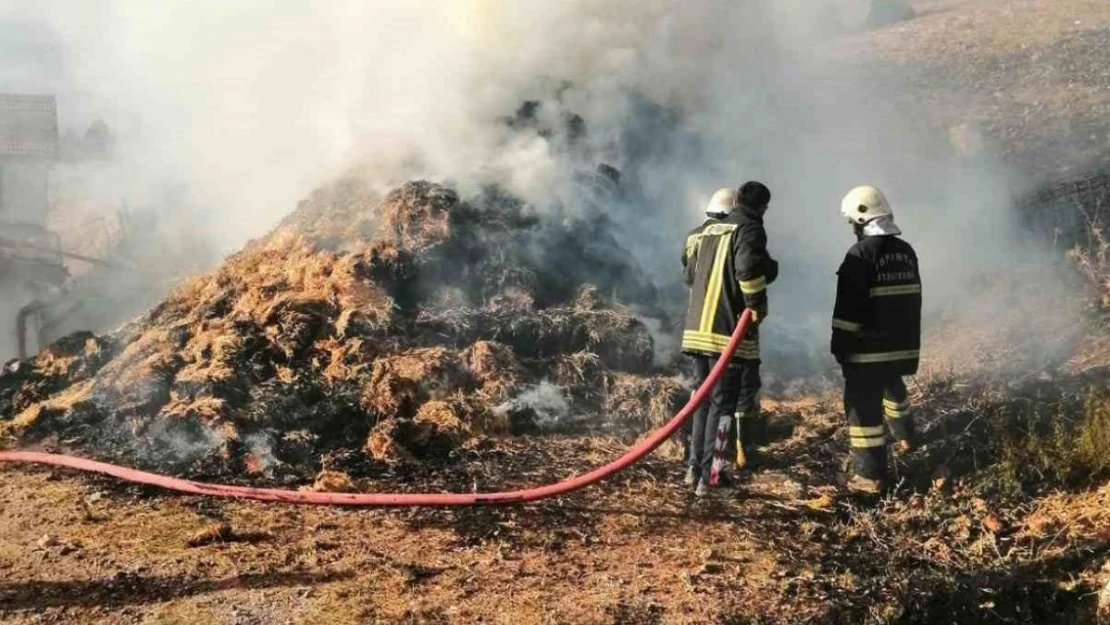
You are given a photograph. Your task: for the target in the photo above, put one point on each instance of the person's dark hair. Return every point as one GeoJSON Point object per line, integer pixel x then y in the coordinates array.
{"type": "Point", "coordinates": [754, 195]}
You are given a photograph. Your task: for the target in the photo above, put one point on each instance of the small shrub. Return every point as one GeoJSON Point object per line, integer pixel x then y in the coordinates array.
{"type": "Point", "coordinates": [1093, 262]}
{"type": "Point", "coordinates": [1066, 447]}
{"type": "Point", "coordinates": [1093, 434]}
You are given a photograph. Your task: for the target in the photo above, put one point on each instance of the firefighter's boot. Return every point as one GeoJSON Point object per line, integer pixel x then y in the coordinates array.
{"type": "Point", "coordinates": [690, 478]}
{"type": "Point", "coordinates": [859, 484]}
{"type": "Point", "coordinates": [702, 490]}
{"type": "Point", "coordinates": [864, 486]}
{"type": "Point", "coordinates": [748, 436]}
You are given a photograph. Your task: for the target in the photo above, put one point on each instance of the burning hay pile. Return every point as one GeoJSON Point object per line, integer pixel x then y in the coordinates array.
{"type": "Point", "coordinates": [364, 331]}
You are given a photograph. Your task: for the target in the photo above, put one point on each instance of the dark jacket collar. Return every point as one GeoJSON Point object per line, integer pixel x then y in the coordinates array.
{"type": "Point", "coordinates": [745, 214]}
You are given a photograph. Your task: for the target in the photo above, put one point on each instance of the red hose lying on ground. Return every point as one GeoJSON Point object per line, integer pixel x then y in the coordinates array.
{"type": "Point", "coordinates": [393, 500]}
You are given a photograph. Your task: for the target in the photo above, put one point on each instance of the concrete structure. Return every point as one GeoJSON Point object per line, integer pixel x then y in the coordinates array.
{"type": "Point", "coordinates": [31, 264]}
{"type": "Point", "coordinates": [28, 148]}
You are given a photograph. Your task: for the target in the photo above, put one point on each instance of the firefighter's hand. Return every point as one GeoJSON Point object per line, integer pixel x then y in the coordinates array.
{"type": "Point", "coordinates": [758, 315]}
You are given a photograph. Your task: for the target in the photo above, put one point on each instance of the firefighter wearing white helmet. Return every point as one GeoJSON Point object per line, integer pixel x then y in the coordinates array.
{"type": "Point", "coordinates": [728, 270]}
{"type": "Point", "coordinates": [721, 204]}
{"type": "Point", "coordinates": [719, 207]}
{"type": "Point", "coordinates": [876, 335]}
{"type": "Point", "coordinates": [863, 204]}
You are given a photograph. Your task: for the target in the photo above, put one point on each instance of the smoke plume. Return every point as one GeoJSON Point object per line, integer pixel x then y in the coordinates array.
{"type": "Point", "coordinates": [247, 106]}
{"type": "Point", "coordinates": [545, 401]}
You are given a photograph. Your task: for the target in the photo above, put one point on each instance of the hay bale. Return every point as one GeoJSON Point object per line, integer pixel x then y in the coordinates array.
{"type": "Point", "coordinates": [588, 298]}
{"type": "Point", "coordinates": [400, 382]}
{"type": "Point", "coordinates": [13, 377]}
{"type": "Point", "coordinates": [513, 299]}
{"type": "Point", "coordinates": [494, 366]}
{"type": "Point", "coordinates": [70, 361]}
{"type": "Point", "coordinates": [489, 421]}
{"type": "Point", "coordinates": [437, 424]}
{"type": "Point", "coordinates": [207, 410]}
{"type": "Point", "coordinates": [619, 339]}
{"type": "Point", "coordinates": [437, 427]}
{"type": "Point", "coordinates": [20, 423]}
{"type": "Point", "coordinates": [487, 360]}
{"type": "Point", "coordinates": [642, 402]}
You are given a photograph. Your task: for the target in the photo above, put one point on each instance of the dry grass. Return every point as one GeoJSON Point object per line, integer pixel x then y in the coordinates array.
{"type": "Point", "coordinates": [333, 482]}
{"type": "Point", "coordinates": [1093, 262]}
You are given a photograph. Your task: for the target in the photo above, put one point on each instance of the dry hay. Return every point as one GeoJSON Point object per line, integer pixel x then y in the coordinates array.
{"type": "Point", "coordinates": [643, 402]}
{"type": "Point", "coordinates": [1092, 353]}
{"type": "Point", "coordinates": [336, 214]}
{"type": "Point", "coordinates": [582, 373]}
{"type": "Point", "coordinates": [418, 218]}
{"type": "Point", "coordinates": [1069, 517]}
{"type": "Point", "coordinates": [618, 339]}
{"type": "Point", "coordinates": [400, 382]}
{"type": "Point", "coordinates": [333, 482]}
{"type": "Point", "coordinates": [494, 367]}
{"type": "Point", "coordinates": [367, 328]}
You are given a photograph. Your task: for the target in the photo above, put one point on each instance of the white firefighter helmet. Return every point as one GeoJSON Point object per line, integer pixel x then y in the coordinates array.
{"type": "Point", "coordinates": [722, 203]}
{"type": "Point", "coordinates": [865, 204]}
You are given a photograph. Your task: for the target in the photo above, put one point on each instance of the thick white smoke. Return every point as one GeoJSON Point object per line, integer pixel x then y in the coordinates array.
{"type": "Point", "coordinates": [253, 103]}
{"type": "Point", "coordinates": [250, 104]}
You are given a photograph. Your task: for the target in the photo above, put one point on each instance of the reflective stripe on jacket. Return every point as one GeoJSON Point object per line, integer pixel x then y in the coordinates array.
{"type": "Point", "coordinates": [727, 269]}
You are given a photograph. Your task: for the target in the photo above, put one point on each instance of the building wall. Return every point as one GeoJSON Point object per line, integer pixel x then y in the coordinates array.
{"type": "Point", "coordinates": [23, 194]}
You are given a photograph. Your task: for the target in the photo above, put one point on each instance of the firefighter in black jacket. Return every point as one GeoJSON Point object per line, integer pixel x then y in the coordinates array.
{"type": "Point", "coordinates": [876, 335]}
{"type": "Point", "coordinates": [728, 269]}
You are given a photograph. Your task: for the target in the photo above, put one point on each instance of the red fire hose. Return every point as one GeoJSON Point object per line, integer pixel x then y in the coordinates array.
{"type": "Point", "coordinates": [396, 500]}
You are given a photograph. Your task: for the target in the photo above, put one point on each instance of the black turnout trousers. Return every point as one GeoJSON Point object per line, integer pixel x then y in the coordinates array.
{"type": "Point", "coordinates": [734, 396]}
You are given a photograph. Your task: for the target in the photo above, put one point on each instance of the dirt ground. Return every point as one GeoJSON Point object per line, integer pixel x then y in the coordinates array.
{"type": "Point", "coordinates": [1024, 81]}
{"type": "Point", "coordinates": [786, 546]}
